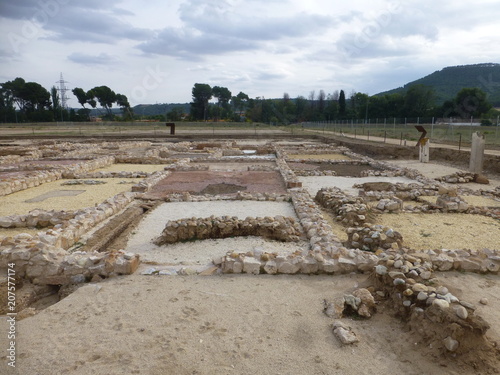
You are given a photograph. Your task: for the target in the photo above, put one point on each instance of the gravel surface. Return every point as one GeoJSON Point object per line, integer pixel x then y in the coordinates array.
{"type": "Point", "coordinates": [201, 252]}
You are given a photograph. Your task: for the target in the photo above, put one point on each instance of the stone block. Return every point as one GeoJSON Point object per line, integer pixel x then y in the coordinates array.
{"type": "Point", "coordinates": [251, 265]}
{"type": "Point", "coordinates": [289, 267]}
{"type": "Point", "coordinates": [309, 266]}
{"type": "Point", "coordinates": [270, 267]}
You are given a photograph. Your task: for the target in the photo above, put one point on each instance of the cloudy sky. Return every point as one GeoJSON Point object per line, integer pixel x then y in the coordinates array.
{"type": "Point", "coordinates": [155, 51]}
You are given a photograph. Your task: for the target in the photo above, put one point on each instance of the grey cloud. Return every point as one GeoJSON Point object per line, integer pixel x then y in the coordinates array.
{"type": "Point", "coordinates": [270, 76]}
{"type": "Point", "coordinates": [190, 44]}
{"type": "Point", "coordinates": [85, 59]}
{"type": "Point", "coordinates": [211, 28]}
{"type": "Point", "coordinates": [69, 20]}
{"type": "Point", "coordinates": [223, 19]}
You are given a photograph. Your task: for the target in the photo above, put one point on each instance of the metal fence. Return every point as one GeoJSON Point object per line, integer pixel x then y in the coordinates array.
{"type": "Point", "coordinates": [458, 132]}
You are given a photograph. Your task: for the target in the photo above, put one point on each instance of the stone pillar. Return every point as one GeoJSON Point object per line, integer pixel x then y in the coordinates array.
{"type": "Point", "coordinates": [477, 153]}
{"type": "Point", "coordinates": [424, 149]}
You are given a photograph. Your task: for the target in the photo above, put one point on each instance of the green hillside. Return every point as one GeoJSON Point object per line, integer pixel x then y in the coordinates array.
{"type": "Point", "coordinates": [449, 81]}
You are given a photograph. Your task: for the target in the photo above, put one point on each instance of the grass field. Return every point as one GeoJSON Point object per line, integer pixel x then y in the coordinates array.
{"type": "Point", "coordinates": [438, 133]}
{"type": "Point", "coordinates": [133, 128]}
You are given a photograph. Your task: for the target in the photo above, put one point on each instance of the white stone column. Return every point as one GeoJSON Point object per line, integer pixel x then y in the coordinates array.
{"type": "Point", "coordinates": [424, 150]}
{"type": "Point", "coordinates": [477, 153]}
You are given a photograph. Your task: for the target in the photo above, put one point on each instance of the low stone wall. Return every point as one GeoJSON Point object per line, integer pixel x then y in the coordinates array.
{"type": "Point", "coordinates": [89, 165]}
{"type": "Point", "coordinates": [148, 183]}
{"type": "Point", "coordinates": [44, 259]}
{"type": "Point", "coordinates": [373, 237]}
{"type": "Point", "coordinates": [45, 265]}
{"type": "Point", "coordinates": [347, 209]}
{"type": "Point", "coordinates": [36, 219]}
{"type": "Point", "coordinates": [279, 228]}
{"type": "Point", "coordinates": [122, 174]}
{"type": "Point", "coordinates": [240, 196]}
{"type": "Point", "coordinates": [288, 175]}
{"type": "Point", "coordinates": [69, 226]}
{"type": "Point", "coordinates": [13, 185]}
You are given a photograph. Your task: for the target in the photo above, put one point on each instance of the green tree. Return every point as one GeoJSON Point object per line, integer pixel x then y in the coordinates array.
{"type": "Point", "coordinates": [321, 105]}
{"type": "Point", "coordinates": [419, 100]}
{"type": "Point", "coordinates": [175, 114]}
{"type": "Point", "coordinates": [223, 96]}
{"type": "Point", "coordinates": [201, 93]}
{"type": "Point", "coordinates": [239, 102]}
{"type": "Point", "coordinates": [81, 96]}
{"type": "Point", "coordinates": [359, 105]}
{"type": "Point", "coordinates": [32, 99]}
{"type": "Point", "coordinates": [342, 104]}
{"type": "Point", "coordinates": [106, 97]}
{"type": "Point", "coordinates": [7, 110]}
{"type": "Point", "coordinates": [122, 102]}
{"type": "Point", "coordinates": [471, 102]}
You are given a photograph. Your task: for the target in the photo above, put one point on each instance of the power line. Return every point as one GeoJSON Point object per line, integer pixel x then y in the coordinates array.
{"type": "Point", "coordinates": [62, 91]}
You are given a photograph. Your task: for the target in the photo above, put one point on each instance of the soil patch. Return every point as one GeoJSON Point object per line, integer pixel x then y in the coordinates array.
{"type": "Point", "coordinates": [222, 188]}
{"type": "Point", "coordinates": [195, 182]}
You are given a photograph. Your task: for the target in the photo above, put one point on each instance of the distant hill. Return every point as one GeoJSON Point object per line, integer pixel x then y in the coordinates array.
{"type": "Point", "coordinates": [449, 81]}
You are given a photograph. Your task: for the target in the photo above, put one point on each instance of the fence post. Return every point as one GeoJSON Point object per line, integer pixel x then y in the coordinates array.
{"type": "Point", "coordinates": [460, 142]}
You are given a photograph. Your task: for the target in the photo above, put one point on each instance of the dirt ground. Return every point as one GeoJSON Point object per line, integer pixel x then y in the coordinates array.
{"type": "Point", "coordinates": [220, 183]}
{"type": "Point", "coordinates": [235, 324]}
{"type": "Point", "coordinates": [229, 325]}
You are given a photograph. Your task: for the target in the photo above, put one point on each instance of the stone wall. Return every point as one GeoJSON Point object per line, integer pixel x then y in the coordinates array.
{"type": "Point", "coordinates": [44, 259]}
{"type": "Point", "coordinates": [432, 313]}
{"type": "Point", "coordinates": [278, 228]}
{"type": "Point", "coordinates": [13, 185]}
{"type": "Point", "coordinates": [36, 178]}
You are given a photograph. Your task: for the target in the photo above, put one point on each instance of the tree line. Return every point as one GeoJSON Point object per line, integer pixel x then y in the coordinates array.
{"type": "Point", "coordinates": [22, 101]}
{"type": "Point", "coordinates": [417, 101]}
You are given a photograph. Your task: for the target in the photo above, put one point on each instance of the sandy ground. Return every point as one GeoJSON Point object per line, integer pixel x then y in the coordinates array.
{"type": "Point", "coordinates": [16, 203]}
{"type": "Point", "coordinates": [202, 252]}
{"type": "Point", "coordinates": [474, 200]}
{"type": "Point", "coordinates": [227, 325]}
{"type": "Point", "coordinates": [444, 231]}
